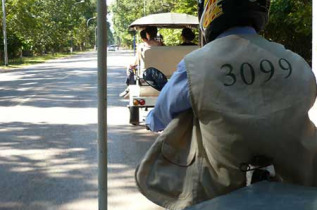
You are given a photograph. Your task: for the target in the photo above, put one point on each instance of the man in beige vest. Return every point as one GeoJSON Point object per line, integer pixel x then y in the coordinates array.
{"type": "Point", "coordinates": [250, 97]}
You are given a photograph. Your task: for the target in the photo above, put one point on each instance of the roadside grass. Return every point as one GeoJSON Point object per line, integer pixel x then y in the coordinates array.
{"type": "Point", "coordinates": [25, 61]}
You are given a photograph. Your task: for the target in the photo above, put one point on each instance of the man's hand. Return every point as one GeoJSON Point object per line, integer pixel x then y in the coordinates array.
{"type": "Point", "coordinates": [132, 66]}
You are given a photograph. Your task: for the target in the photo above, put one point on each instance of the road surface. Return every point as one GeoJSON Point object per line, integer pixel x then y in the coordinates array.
{"type": "Point", "coordinates": [126, 143]}
{"type": "Point", "coordinates": [48, 137]}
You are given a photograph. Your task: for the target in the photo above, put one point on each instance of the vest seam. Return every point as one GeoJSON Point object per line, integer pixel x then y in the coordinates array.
{"type": "Point", "coordinates": [194, 108]}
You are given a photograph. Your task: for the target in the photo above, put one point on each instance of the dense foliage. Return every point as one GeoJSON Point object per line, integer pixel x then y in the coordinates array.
{"type": "Point", "coordinates": [291, 25]}
{"type": "Point", "coordinates": [290, 21]}
{"type": "Point", "coordinates": [124, 12]}
{"type": "Point", "coordinates": [48, 26]}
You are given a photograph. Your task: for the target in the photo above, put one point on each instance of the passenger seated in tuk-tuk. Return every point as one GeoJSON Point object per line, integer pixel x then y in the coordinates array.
{"type": "Point", "coordinates": [160, 39]}
{"type": "Point", "coordinates": [141, 46]}
{"type": "Point", "coordinates": [151, 35]}
{"type": "Point", "coordinates": [148, 36]}
{"type": "Point", "coordinates": [187, 36]}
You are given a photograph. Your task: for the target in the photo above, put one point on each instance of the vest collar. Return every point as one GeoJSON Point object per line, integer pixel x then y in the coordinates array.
{"type": "Point", "coordinates": [237, 30]}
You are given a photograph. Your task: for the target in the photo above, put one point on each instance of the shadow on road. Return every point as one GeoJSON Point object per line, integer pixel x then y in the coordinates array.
{"type": "Point", "coordinates": [127, 144]}
{"type": "Point", "coordinates": [53, 84]}
{"type": "Point", "coordinates": [48, 161]}
{"type": "Point", "coordinates": [40, 170]}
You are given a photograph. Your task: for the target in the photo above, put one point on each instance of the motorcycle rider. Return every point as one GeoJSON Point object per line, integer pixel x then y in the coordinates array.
{"type": "Point", "coordinates": [250, 96]}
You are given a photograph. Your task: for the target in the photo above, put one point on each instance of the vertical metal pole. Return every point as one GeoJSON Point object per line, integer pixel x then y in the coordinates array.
{"type": "Point", "coordinates": [314, 51]}
{"type": "Point", "coordinates": [5, 34]}
{"type": "Point", "coordinates": [95, 47]}
{"type": "Point", "coordinates": [71, 43]}
{"type": "Point", "coordinates": [134, 44]}
{"type": "Point", "coordinates": [102, 103]}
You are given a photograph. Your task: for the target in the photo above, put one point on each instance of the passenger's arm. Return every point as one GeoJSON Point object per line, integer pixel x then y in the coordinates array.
{"type": "Point", "coordinates": [173, 99]}
{"type": "Point", "coordinates": [137, 56]}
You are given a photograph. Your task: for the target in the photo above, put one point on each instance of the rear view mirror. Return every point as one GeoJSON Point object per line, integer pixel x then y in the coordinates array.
{"type": "Point", "coordinates": [154, 78]}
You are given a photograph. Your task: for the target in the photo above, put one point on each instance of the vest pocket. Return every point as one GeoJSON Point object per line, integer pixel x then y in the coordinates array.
{"type": "Point", "coordinates": [174, 166]}
{"type": "Point", "coordinates": [181, 151]}
{"type": "Point", "coordinates": [171, 180]}
{"type": "Point", "coordinates": [168, 174]}
{"type": "Point", "coordinates": [178, 146]}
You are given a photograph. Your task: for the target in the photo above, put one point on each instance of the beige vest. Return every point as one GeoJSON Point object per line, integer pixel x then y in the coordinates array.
{"type": "Point", "coordinates": [252, 97]}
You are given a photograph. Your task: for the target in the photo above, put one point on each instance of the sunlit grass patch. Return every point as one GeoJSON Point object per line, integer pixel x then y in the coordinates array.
{"type": "Point", "coordinates": [24, 61]}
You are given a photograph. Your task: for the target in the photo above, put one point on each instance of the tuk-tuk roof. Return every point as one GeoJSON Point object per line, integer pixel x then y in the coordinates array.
{"type": "Point", "coordinates": [165, 20]}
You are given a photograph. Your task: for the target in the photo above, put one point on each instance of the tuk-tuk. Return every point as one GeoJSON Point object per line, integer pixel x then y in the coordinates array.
{"type": "Point", "coordinates": [165, 58]}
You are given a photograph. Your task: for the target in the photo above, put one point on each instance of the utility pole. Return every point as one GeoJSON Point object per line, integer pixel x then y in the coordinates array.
{"type": "Point", "coordinates": [102, 104]}
{"type": "Point", "coordinates": [5, 34]}
{"type": "Point", "coordinates": [95, 47]}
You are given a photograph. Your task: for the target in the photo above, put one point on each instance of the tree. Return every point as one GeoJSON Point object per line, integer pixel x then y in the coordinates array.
{"type": "Point", "coordinates": [290, 21]}
{"type": "Point", "coordinates": [124, 12]}
{"type": "Point", "coordinates": [290, 24]}
{"type": "Point", "coordinates": [173, 36]}
{"type": "Point", "coordinates": [41, 26]}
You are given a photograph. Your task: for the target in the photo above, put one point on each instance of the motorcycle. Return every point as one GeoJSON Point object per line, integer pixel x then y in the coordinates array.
{"type": "Point", "coordinates": [263, 190]}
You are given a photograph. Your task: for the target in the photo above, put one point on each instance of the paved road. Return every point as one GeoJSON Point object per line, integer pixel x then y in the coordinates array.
{"type": "Point", "coordinates": [126, 143]}
{"type": "Point", "coordinates": [48, 136]}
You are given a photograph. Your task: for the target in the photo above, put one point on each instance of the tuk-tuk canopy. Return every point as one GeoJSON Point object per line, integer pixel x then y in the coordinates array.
{"type": "Point", "coordinates": [165, 20]}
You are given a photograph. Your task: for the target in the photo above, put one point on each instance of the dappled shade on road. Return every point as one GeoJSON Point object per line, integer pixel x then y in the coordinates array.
{"type": "Point", "coordinates": [35, 161]}
{"type": "Point", "coordinates": [48, 136]}
{"type": "Point", "coordinates": [127, 144]}
{"type": "Point", "coordinates": [54, 84]}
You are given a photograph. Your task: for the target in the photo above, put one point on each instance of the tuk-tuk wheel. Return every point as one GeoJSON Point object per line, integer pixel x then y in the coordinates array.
{"type": "Point", "coordinates": [134, 115]}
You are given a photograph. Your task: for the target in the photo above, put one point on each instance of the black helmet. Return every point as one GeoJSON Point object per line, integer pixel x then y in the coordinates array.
{"type": "Point", "coordinates": [219, 15]}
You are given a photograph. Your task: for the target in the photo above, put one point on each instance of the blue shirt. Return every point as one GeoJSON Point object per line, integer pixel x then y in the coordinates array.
{"type": "Point", "coordinates": [174, 97]}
